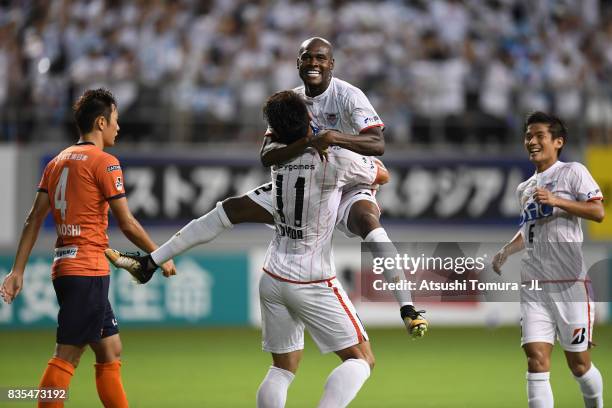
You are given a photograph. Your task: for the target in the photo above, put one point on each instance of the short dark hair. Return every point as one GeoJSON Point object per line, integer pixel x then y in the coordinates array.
{"type": "Point", "coordinates": [556, 127]}
{"type": "Point", "coordinates": [287, 115]}
{"type": "Point", "coordinates": [93, 103]}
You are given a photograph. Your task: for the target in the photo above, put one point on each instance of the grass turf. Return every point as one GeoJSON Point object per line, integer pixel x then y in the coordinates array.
{"type": "Point", "coordinates": [219, 368]}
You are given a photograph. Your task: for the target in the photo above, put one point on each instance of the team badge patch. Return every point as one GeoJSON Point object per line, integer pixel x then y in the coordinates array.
{"type": "Point", "coordinates": [331, 118]}
{"type": "Point", "coordinates": [595, 193]}
{"type": "Point", "coordinates": [119, 184]}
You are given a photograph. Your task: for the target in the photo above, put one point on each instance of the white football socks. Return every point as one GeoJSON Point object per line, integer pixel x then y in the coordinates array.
{"type": "Point", "coordinates": [381, 246]}
{"type": "Point", "coordinates": [539, 392]}
{"type": "Point", "coordinates": [200, 231]}
{"type": "Point", "coordinates": [591, 385]}
{"type": "Point", "coordinates": [272, 392]}
{"type": "Point", "coordinates": [344, 383]}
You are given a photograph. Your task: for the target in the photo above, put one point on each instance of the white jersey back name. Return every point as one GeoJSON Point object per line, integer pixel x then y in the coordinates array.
{"type": "Point", "coordinates": [306, 194]}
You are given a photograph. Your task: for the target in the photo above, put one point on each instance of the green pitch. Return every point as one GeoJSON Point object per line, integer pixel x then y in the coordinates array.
{"type": "Point", "coordinates": [219, 368]}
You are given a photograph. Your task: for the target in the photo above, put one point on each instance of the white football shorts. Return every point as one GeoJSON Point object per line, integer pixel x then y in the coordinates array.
{"type": "Point", "coordinates": [262, 196]}
{"type": "Point", "coordinates": [321, 307]}
{"type": "Point", "coordinates": [566, 313]}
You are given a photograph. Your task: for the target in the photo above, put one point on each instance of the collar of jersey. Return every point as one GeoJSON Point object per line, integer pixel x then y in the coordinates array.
{"type": "Point", "coordinates": [323, 95]}
{"type": "Point", "coordinates": [550, 169]}
{"type": "Point", "coordinates": [84, 143]}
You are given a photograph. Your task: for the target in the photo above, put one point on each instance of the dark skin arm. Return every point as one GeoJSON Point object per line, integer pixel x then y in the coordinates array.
{"type": "Point", "coordinates": [370, 142]}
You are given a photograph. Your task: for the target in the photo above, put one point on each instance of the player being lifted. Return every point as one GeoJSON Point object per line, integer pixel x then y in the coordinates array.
{"type": "Point", "coordinates": [552, 202]}
{"type": "Point", "coordinates": [78, 186]}
{"type": "Point", "coordinates": [332, 104]}
{"type": "Point", "coordinates": [299, 289]}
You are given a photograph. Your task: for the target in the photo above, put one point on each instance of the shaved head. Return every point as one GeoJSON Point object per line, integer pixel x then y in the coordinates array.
{"type": "Point", "coordinates": [315, 63]}
{"type": "Point", "coordinates": [316, 42]}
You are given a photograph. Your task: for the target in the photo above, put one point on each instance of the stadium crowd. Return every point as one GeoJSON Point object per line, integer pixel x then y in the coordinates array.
{"type": "Point", "coordinates": [441, 71]}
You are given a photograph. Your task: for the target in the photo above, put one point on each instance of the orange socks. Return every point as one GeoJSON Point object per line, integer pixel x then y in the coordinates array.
{"type": "Point", "coordinates": [108, 383]}
{"type": "Point", "coordinates": [57, 375]}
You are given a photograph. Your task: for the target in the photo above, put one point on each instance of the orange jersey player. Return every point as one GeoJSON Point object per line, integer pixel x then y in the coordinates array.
{"type": "Point", "coordinates": [78, 186]}
{"type": "Point", "coordinates": [83, 180]}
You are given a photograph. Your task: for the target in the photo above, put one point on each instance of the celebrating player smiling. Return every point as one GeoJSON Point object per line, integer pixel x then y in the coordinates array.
{"type": "Point", "coordinates": [553, 201]}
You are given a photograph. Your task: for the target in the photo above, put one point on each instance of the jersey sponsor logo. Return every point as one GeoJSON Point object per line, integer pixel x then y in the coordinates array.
{"type": "Point", "coordinates": [65, 253]}
{"type": "Point", "coordinates": [535, 211]}
{"type": "Point", "coordinates": [366, 161]}
{"type": "Point", "coordinates": [119, 184]}
{"type": "Point", "coordinates": [371, 120]}
{"type": "Point", "coordinates": [113, 168]}
{"type": "Point", "coordinates": [578, 336]}
{"type": "Point", "coordinates": [296, 167]}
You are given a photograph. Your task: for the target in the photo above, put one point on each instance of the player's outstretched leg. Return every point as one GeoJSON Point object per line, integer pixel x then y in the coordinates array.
{"type": "Point", "coordinates": [235, 210]}
{"type": "Point", "coordinates": [364, 220]}
{"type": "Point", "coordinates": [588, 377]}
{"type": "Point", "coordinates": [141, 267]}
{"type": "Point", "coordinates": [415, 323]}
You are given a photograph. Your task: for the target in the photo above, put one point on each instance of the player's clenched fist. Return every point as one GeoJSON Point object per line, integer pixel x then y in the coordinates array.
{"type": "Point", "coordinates": [168, 269]}
{"type": "Point", "coordinates": [544, 196]}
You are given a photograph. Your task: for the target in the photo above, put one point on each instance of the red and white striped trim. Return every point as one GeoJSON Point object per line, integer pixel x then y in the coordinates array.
{"type": "Point", "coordinates": [382, 125]}
{"type": "Point", "coordinates": [280, 278]}
{"type": "Point", "coordinates": [348, 312]}
{"type": "Point", "coordinates": [586, 287]}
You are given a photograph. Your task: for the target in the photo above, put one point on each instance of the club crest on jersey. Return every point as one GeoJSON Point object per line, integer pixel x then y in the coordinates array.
{"type": "Point", "coordinates": [535, 211]}
{"type": "Point", "coordinates": [331, 118]}
{"type": "Point", "coordinates": [119, 184]}
{"type": "Point", "coordinates": [594, 193]}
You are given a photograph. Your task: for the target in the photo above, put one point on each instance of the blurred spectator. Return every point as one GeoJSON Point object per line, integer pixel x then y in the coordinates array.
{"type": "Point", "coordinates": [186, 70]}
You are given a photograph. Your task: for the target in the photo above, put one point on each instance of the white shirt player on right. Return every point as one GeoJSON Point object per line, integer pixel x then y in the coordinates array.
{"type": "Point", "coordinates": [552, 203]}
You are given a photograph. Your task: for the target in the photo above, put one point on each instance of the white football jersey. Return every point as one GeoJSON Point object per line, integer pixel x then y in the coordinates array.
{"type": "Point", "coordinates": [553, 237]}
{"type": "Point", "coordinates": [305, 194]}
{"type": "Point", "coordinates": [342, 106]}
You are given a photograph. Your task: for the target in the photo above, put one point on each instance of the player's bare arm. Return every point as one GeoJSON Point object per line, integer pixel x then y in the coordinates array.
{"type": "Point", "coordinates": [14, 281]}
{"type": "Point", "coordinates": [370, 142]}
{"type": "Point", "coordinates": [132, 229]}
{"type": "Point", "coordinates": [273, 152]}
{"type": "Point", "coordinates": [589, 210]}
{"type": "Point", "coordinates": [516, 244]}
